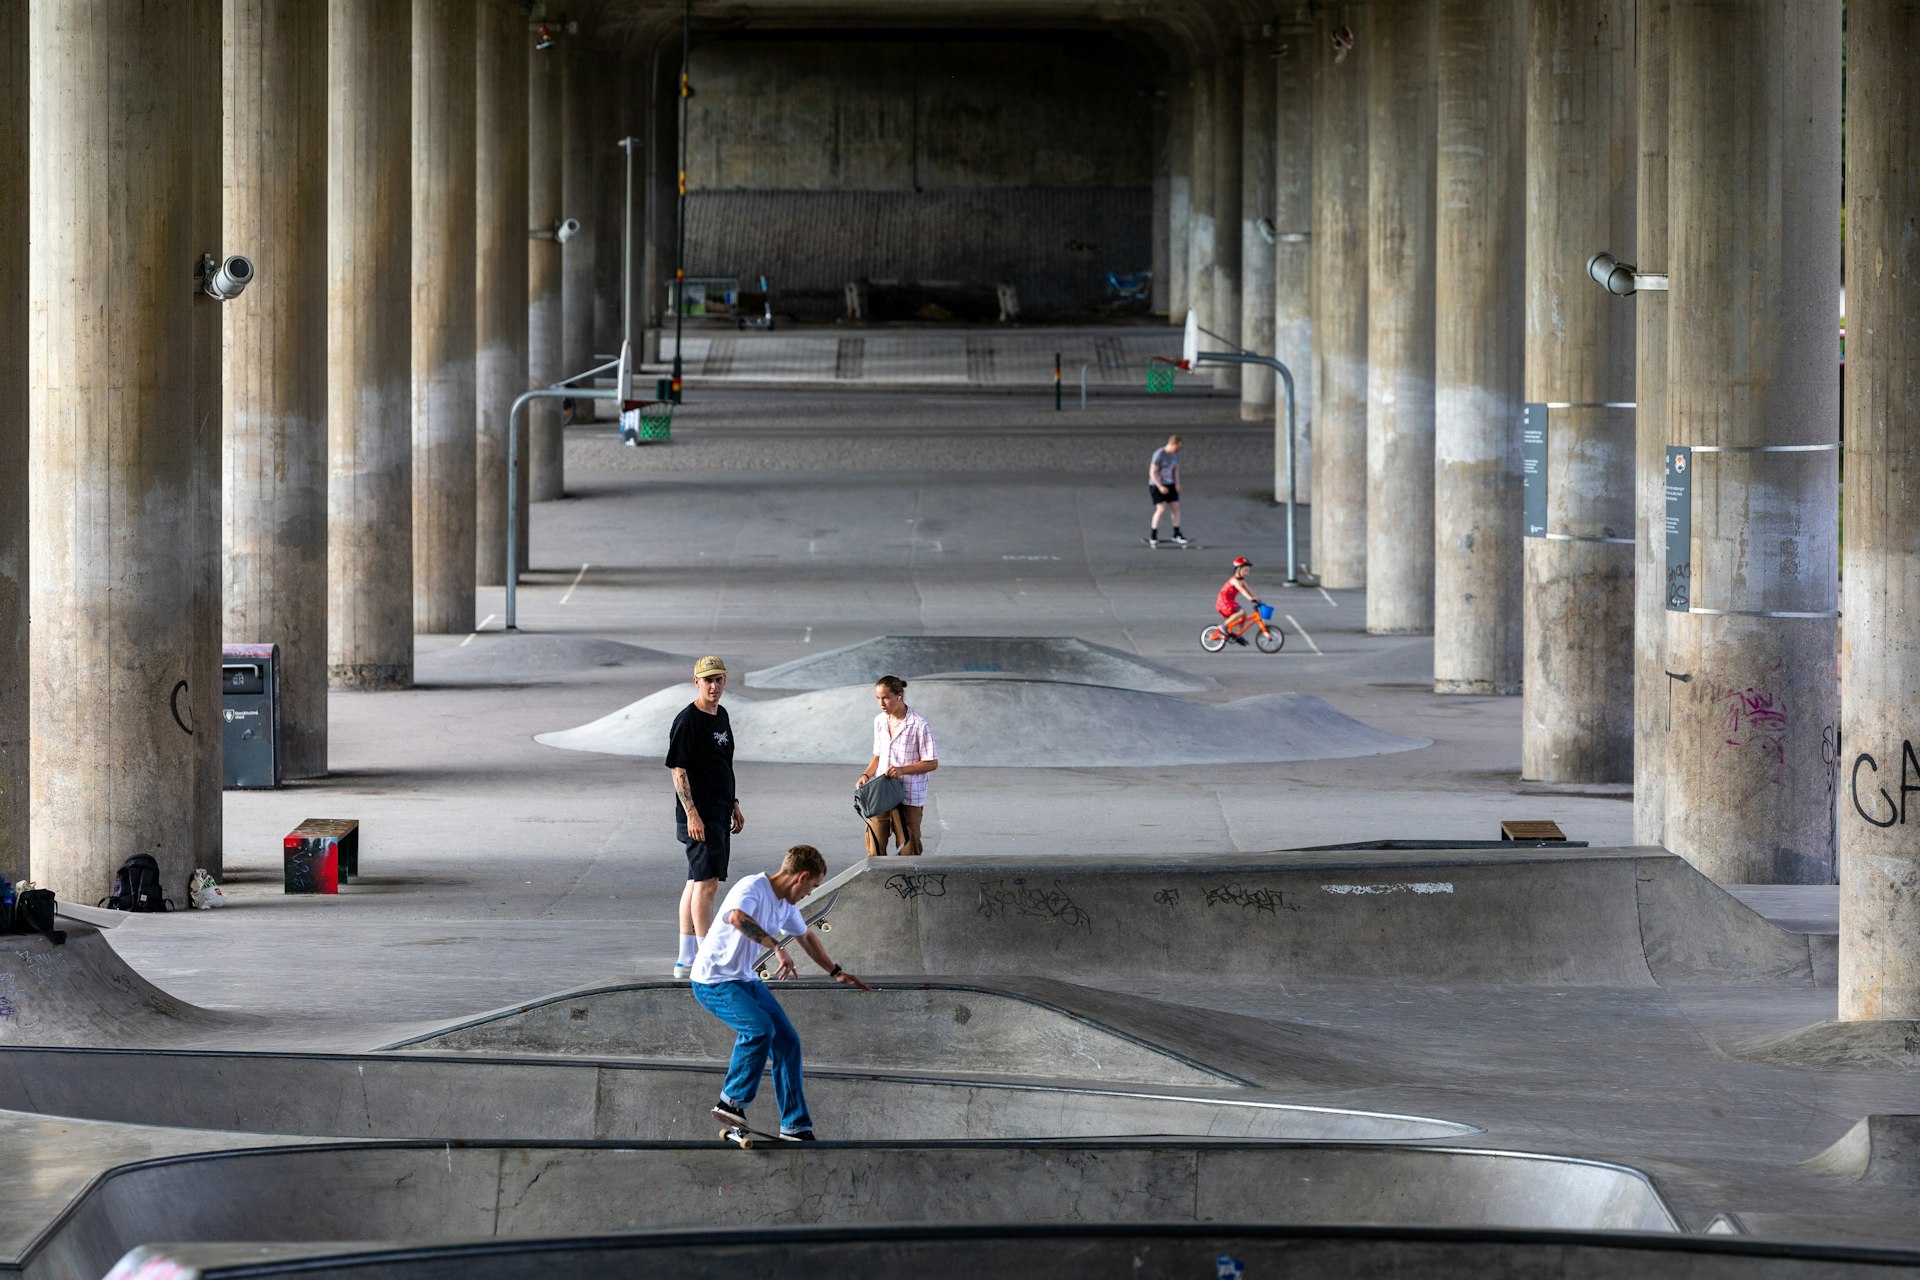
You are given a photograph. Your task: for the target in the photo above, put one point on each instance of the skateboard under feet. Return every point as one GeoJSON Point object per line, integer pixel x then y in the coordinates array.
{"type": "Point", "coordinates": [745, 1138]}
{"type": "Point", "coordinates": [1154, 544]}
{"type": "Point", "coordinates": [740, 1135]}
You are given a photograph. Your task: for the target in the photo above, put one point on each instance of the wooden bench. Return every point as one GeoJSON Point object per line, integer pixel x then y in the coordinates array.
{"type": "Point", "coordinates": [1518, 830]}
{"type": "Point", "coordinates": [321, 854]}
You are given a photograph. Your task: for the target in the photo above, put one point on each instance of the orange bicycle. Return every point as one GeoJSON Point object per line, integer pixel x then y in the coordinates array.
{"type": "Point", "coordinates": [1266, 640]}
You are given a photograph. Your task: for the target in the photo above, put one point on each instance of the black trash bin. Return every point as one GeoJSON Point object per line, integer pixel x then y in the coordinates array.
{"type": "Point", "coordinates": [250, 715]}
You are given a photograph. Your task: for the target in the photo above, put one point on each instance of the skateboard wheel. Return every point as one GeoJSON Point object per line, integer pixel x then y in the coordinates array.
{"type": "Point", "coordinates": [824, 927]}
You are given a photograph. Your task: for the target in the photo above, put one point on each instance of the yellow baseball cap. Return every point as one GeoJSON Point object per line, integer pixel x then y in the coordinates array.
{"type": "Point", "coordinates": [709, 666]}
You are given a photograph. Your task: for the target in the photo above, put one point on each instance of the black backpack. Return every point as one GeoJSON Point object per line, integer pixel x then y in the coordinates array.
{"type": "Point", "coordinates": [136, 886]}
{"type": "Point", "coordinates": [31, 911]}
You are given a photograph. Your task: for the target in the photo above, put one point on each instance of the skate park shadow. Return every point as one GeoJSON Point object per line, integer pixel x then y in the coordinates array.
{"type": "Point", "coordinates": [501, 659]}
{"type": "Point", "coordinates": [1066, 659]}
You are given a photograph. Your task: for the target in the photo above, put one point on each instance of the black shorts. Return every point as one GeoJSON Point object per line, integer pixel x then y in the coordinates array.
{"type": "Point", "coordinates": [1158, 495]}
{"type": "Point", "coordinates": [707, 859]}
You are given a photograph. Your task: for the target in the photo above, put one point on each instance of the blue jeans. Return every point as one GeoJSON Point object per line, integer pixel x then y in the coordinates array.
{"type": "Point", "coordinates": [750, 1009]}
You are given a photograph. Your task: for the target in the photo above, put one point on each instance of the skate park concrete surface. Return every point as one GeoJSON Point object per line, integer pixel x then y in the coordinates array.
{"type": "Point", "coordinates": [1129, 1016]}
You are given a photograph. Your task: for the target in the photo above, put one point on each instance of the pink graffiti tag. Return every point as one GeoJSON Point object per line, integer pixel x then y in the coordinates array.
{"type": "Point", "coordinates": [1754, 719]}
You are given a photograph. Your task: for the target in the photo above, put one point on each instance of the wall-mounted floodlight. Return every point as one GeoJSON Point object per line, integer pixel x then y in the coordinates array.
{"type": "Point", "coordinates": [563, 230]}
{"type": "Point", "coordinates": [223, 281]}
{"type": "Point", "coordinates": [1620, 278]}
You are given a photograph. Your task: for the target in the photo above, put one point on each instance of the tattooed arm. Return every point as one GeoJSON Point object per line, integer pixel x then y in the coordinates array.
{"type": "Point", "coordinates": [683, 788]}
{"type": "Point", "coordinates": [750, 927]}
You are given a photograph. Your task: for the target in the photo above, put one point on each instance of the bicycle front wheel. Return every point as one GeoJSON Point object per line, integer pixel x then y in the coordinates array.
{"type": "Point", "coordinates": [1213, 639]}
{"type": "Point", "coordinates": [1270, 639]}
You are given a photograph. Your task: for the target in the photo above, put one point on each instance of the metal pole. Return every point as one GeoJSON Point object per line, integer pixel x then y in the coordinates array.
{"type": "Point", "coordinates": [1286, 376]}
{"type": "Point", "coordinates": [1056, 382]}
{"type": "Point", "coordinates": [555, 392]}
{"type": "Point", "coordinates": [680, 251]}
{"type": "Point", "coordinates": [626, 260]}
{"type": "Point", "coordinates": [1293, 559]}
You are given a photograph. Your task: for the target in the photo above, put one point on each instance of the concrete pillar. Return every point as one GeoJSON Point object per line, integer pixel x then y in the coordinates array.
{"type": "Point", "coordinates": [275, 416]}
{"type": "Point", "coordinates": [500, 276]}
{"type": "Point", "coordinates": [1256, 203]}
{"type": "Point", "coordinates": [14, 801]}
{"type": "Point", "coordinates": [545, 317]}
{"type": "Point", "coordinates": [444, 431]}
{"type": "Point", "coordinates": [1293, 254]}
{"type": "Point", "coordinates": [583, 130]}
{"type": "Point", "coordinates": [369, 346]}
{"type": "Point", "coordinates": [1158, 261]}
{"type": "Point", "coordinates": [1400, 246]}
{"type": "Point", "coordinates": [1754, 178]}
{"type": "Point", "coordinates": [1203, 237]}
{"type": "Point", "coordinates": [1342, 56]}
{"type": "Point", "coordinates": [1879, 857]}
{"type": "Point", "coordinates": [1651, 432]}
{"type": "Point", "coordinates": [1179, 196]}
{"type": "Point", "coordinates": [1479, 342]}
{"type": "Point", "coordinates": [660, 82]}
{"type": "Point", "coordinates": [124, 468]}
{"type": "Point", "coordinates": [1577, 709]}
{"type": "Point", "coordinates": [1228, 89]}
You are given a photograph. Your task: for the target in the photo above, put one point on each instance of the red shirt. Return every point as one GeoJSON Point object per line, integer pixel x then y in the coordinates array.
{"type": "Point", "coordinates": [1229, 602]}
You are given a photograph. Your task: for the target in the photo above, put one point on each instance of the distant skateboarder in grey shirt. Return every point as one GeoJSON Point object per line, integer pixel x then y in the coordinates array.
{"type": "Point", "coordinates": [1163, 486]}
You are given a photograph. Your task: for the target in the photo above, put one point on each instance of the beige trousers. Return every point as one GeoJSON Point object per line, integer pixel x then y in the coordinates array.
{"type": "Point", "coordinates": [902, 823]}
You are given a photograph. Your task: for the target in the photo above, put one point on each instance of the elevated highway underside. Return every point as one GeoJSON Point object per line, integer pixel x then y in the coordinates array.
{"type": "Point", "coordinates": [1124, 1002]}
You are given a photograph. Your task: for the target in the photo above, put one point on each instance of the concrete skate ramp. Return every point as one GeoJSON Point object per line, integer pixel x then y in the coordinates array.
{"type": "Point", "coordinates": [1066, 658]}
{"type": "Point", "coordinates": [1608, 918]}
{"type": "Point", "coordinates": [1890, 1045]}
{"type": "Point", "coordinates": [524, 656]}
{"type": "Point", "coordinates": [896, 1027]}
{"type": "Point", "coordinates": [1070, 1252]}
{"type": "Point", "coordinates": [402, 1096]}
{"type": "Point", "coordinates": [1012, 724]}
{"type": "Point", "coordinates": [83, 993]}
{"type": "Point", "coordinates": [1881, 1151]}
{"type": "Point", "coordinates": [435, 1192]}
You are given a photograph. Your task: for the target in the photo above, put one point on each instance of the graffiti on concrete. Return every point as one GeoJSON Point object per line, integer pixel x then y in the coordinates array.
{"type": "Point", "coordinates": [1018, 898]}
{"type": "Point", "coordinates": [1254, 899]}
{"type": "Point", "coordinates": [928, 884]}
{"type": "Point", "coordinates": [1886, 811]}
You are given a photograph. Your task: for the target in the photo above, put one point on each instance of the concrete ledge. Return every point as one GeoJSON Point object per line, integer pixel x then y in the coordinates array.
{"type": "Point", "coordinates": [1594, 917]}
{"type": "Point", "coordinates": [1145, 1251]}
{"type": "Point", "coordinates": [432, 1192]}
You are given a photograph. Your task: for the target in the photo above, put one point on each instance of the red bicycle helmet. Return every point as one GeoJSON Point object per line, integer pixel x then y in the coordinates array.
{"type": "Point", "coordinates": [1241, 562]}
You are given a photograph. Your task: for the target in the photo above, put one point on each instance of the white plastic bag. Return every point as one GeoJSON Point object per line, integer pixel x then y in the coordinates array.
{"type": "Point", "coordinates": [203, 892]}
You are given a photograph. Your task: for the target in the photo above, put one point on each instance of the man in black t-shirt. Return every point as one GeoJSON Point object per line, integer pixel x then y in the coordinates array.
{"type": "Point", "coordinates": [706, 813]}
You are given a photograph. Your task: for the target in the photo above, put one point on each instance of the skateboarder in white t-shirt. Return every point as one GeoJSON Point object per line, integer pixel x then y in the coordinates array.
{"type": "Point", "coordinates": [754, 913]}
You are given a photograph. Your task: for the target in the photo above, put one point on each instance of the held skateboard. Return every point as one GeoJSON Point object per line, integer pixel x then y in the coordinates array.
{"type": "Point", "coordinates": [763, 965]}
{"type": "Point", "coordinates": [1152, 544]}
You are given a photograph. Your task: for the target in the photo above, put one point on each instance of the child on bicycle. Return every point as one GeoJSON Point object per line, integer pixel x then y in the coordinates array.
{"type": "Point", "coordinates": [1236, 601]}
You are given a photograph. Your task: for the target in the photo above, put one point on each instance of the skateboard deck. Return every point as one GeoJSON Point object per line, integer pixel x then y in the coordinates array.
{"type": "Point", "coordinates": [1153, 545]}
{"type": "Point", "coordinates": [743, 1136]}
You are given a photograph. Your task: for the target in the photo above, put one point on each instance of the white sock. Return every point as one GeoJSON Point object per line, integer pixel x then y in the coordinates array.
{"type": "Point", "coordinates": [689, 947]}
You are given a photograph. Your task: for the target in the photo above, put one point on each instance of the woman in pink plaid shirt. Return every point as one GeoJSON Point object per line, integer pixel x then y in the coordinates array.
{"type": "Point", "coordinates": [902, 748]}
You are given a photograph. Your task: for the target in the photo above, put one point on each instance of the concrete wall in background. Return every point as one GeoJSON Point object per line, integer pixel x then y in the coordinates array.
{"type": "Point", "coordinates": [816, 161]}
